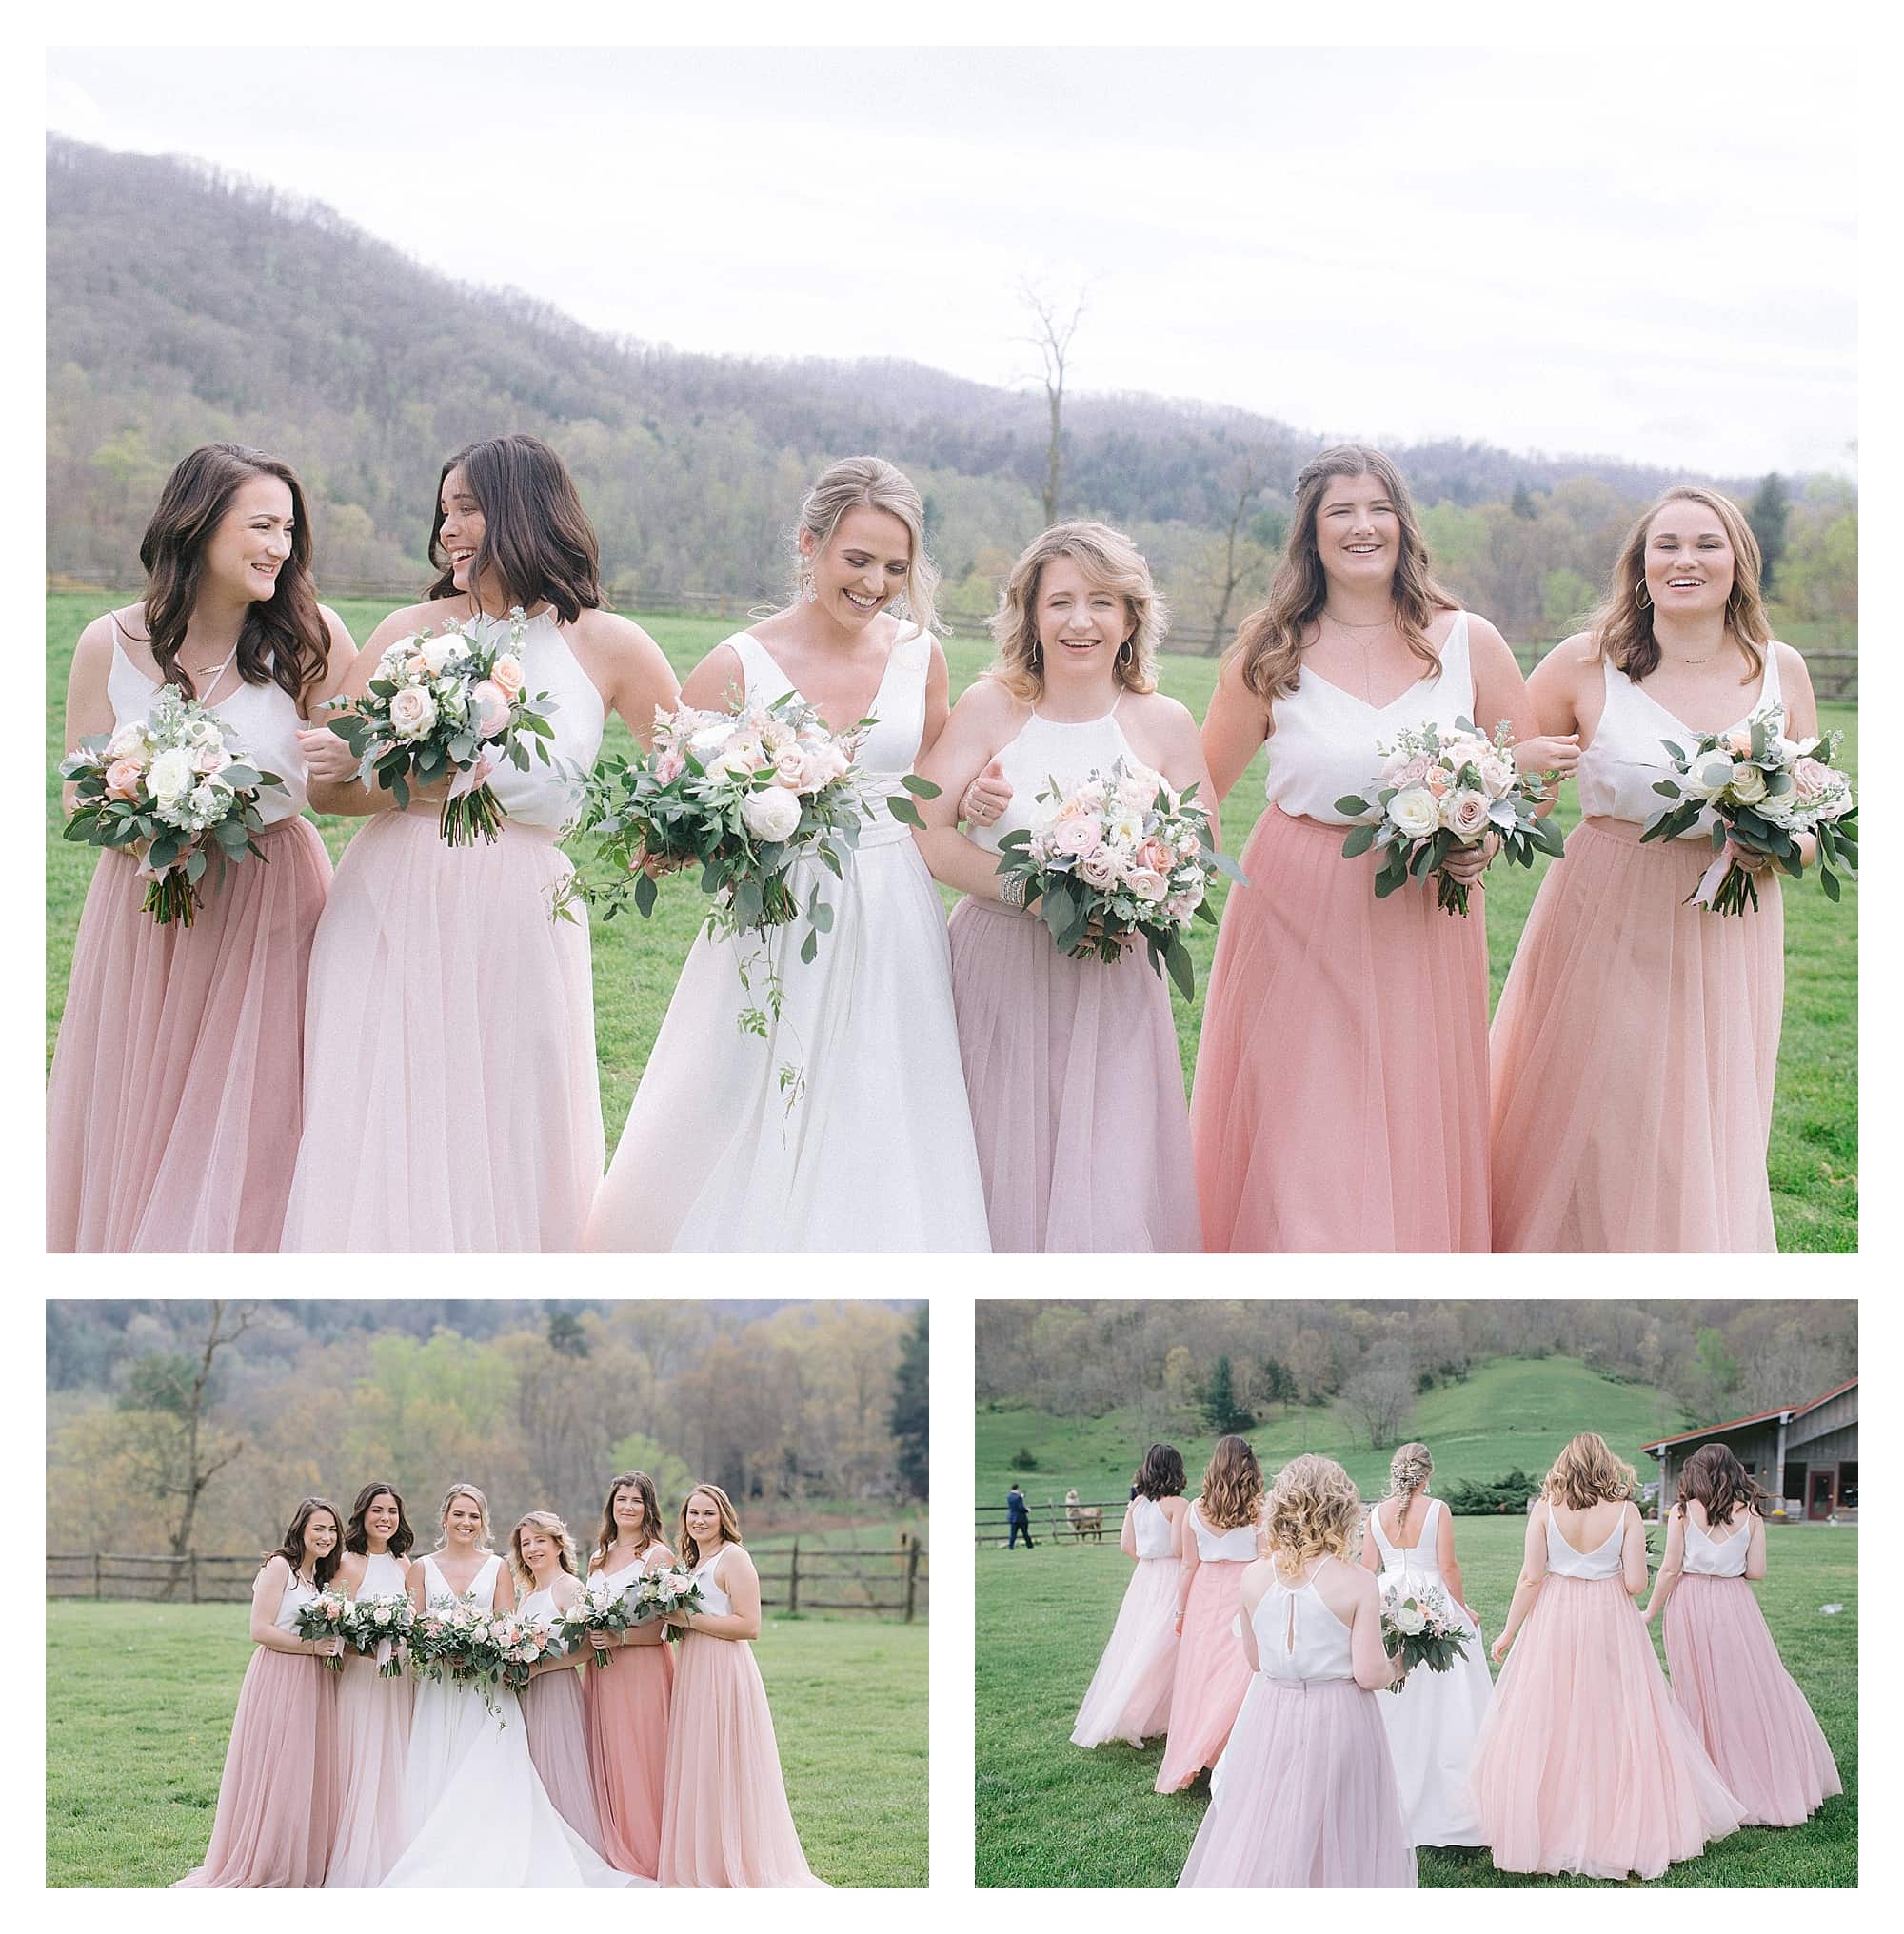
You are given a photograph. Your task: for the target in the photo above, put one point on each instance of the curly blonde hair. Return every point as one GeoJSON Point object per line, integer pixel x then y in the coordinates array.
{"type": "Point", "coordinates": [558, 1532]}
{"type": "Point", "coordinates": [1232, 1492]}
{"type": "Point", "coordinates": [1587, 1474]}
{"type": "Point", "coordinates": [1313, 1511]}
{"type": "Point", "coordinates": [1109, 558]}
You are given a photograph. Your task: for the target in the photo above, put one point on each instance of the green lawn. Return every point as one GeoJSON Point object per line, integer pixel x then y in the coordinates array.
{"type": "Point", "coordinates": [1049, 1814]}
{"type": "Point", "coordinates": [1814, 1154]}
{"type": "Point", "coordinates": [139, 1704]}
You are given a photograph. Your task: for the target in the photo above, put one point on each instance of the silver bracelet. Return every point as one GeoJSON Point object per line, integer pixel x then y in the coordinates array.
{"type": "Point", "coordinates": [1013, 890]}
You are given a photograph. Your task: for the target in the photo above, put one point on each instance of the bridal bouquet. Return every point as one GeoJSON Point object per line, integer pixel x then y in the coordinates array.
{"type": "Point", "coordinates": [600, 1606]}
{"type": "Point", "coordinates": [449, 704]}
{"type": "Point", "coordinates": [372, 1623]}
{"type": "Point", "coordinates": [1422, 1624]}
{"type": "Point", "coordinates": [1124, 855]}
{"type": "Point", "coordinates": [657, 1593]}
{"type": "Point", "coordinates": [327, 1616]}
{"type": "Point", "coordinates": [1763, 790]}
{"type": "Point", "coordinates": [1437, 793]}
{"type": "Point", "coordinates": [173, 789]}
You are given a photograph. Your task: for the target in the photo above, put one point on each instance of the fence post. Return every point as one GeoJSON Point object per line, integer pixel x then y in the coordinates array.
{"type": "Point", "coordinates": [194, 1577]}
{"type": "Point", "coordinates": [911, 1576]}
{"type": "Point", "coordinates": [793, 1577]}
{"type": "Point", "coordinates": [98, 1591]}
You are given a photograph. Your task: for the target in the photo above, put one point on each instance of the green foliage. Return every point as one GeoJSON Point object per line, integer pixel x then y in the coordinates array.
{"type": "Point", "coordinates": [912, 1406]}
{"type": "Point", "coordinates": [566, 1336]}
{"type": "Point", "coordinates": [1766, 515]}
{"type": "Point", "coordinates": [1221, 1410]}
{"type": "Point", "coordinates": [162, 1381]}
{"type": "Point", "coordinates": [1492, 1497]}
{"type": "Point", "coordinates": [1022, 1459]}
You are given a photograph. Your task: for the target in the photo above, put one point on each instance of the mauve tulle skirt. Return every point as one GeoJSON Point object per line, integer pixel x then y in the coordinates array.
{"type": "Point", "coordinates": [277, 1800]}
{"type": "Point", "coordinates": [1585, 1764]}
{"type": "Point", "coordinates": [1212, 1675]}
{"type": "Point", "coordinates": [1745, 1706]}
{"type": "Point", "coordinates": [627, 1709]}
{"type": "Point", "coordinates": [451, 1098]}
{"type": "Point", "coordinates": [555, 1723]}
{"type": "Point", "coordinates": [1340, 1099]}
{"type": "Point", "coordinates": [1306, 1797]}
{"type": "Point", "coordinates": [1634, 1052]}
{"type": "Point", "coordinates": [176, 1101]}
{"type": "Point", "coordinates": [1077, 1091]}
{"type": "Point", "coordinates": [373, 1735]}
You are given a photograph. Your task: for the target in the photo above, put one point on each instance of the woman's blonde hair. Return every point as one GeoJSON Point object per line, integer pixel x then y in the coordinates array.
{"type": "Point", "coordinates": [449, 1497]}
{"type": "Point", "coordinates": [1409, 1470]}
{"type": "Point", "coordinates": [730, 1524]}
{"type": "Point", "coordinates": [1622, 627]}
{"type": "Point", "coordinates": [1232, 1492]}
{"type": "Point", "coordinates": [1313, 1511]}
{"type": "Point", "coordinates": [1587, 1474]}
{"type": "Point", "coordinates": [558, 1532]}
{"type": "Point", "coordinates": [1106, 557]}
{"type": "Point", "coordinates": [869, 484]}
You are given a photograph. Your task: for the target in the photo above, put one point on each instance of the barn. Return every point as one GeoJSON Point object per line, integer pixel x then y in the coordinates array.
{"type": "Point", "coordinates": [1805, 1455]}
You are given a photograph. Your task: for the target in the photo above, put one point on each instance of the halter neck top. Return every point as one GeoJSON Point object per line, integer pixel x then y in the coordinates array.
{"type": "Point", "coordinates": [712, 1598]}
{"type": "Point", "coordinates": [383, 1576]}
{"type": "Point", "coordinates": [550, 796]}
{"type": "Point", "coordinates": [297, 1595]}
{"type": "Point", "coordinates": [1047, 750]}
{"type": "Point", "coordinates": [1298, 1637]}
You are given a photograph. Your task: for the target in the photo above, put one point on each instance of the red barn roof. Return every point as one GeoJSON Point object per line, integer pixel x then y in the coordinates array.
{"type": "Point", "coordinates": [1787, 1410]}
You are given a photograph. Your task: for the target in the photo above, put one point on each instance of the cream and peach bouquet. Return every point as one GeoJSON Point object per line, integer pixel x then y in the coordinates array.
{"type": "Point", "coordinates": [1422, 1624]}
{"type": "Point", "coordinates": [449, 704]}
{"type": "Point", "coordinates": [1438, 793]}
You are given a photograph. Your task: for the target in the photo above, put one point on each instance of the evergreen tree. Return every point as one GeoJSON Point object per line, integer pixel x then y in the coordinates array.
{"type": "Point", "coordinates": [1220, 1408]}
{"type": "Point", "coordinates": [1522, 502]}
{"type": "Point", "coordinates": [1767, 519]}
{"type": "Point", "coordinates": [565, 1334]}
{"type": "Point", "coordinates": [912, 1407]}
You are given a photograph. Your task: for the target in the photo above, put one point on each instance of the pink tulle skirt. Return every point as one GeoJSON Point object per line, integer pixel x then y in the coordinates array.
{"type": "Point", "coordinates": [452, 1101]}
{"type": "Point", "coordinates": [628, 1707]}
{"type": "Point", "coordinates": [555, 1723]}
{"type": "Point", "coordinates": [1077, 1091]}
{"type": "Point", "coordinates": [1635, 1052]}
{"type": "Point", "coordinates": [1340, 1099]}
{"type": "Point", "coordinates": [1749, 1714]}
{"type": "Point", "coordinates": [724, 1818]}
{"type": "Point", "coordinates": [1585, 1764]}
{"type": "Point", "coordinates": [1211, 1678]}
{"type": "Point", "coordinates": [277, 1800]}
{"type": "Point", "coordinates": [373, 1734]}
{"type": "Point", "coordinates": [175, 1100]}
{"type": "Point", "coordinates": [1129, 1695]}
{"type": "Point", "coordinates": [1305, 1796]}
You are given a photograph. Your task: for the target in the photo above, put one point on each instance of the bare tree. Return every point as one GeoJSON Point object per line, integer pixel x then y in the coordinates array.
{"type": "Point", "coordinates": [1052, 340]}
{"type": "Point", "coordinates": [1380, 1392]}
{"type": "Point", "coordinates": [1249, 482]}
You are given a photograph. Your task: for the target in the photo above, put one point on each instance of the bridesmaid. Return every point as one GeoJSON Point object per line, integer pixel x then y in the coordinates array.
{"type": "Point", "coordinates": [1431, 1720]}
{"type": "Point", "coordinates": [1340, 1096]}
{"type": "Point", "coordinates": [1304, 1795]}
{"type": "Point", "coordinates": [175, 1104]}
{"type": "Point", "coordinates": [452, 1096]}
{"type": "Point", "coordinates": [1636, 1041]}
{"type": "Point", "coordinates": [629, 1697]}
{"type": "Point", "coordinates": [1584, 1763]}
{"type": "Point", "coordinates": [1129, 1695]}
{"type": "Point", "coordinates": [1222, 1534]}
{"type": "Point", "coordinates": [1727, 1675]}
{"type": "Point", "coordinates": [543, 1559]}
{"type": "Point", "coordinates": [373, 1712]}
{"type": "Point", "coordinates": [725, 1822]}
{"type": "Point", "coordinates": [277, 1800]}
{"type": "Point", "coordinates": [1058, 1050]}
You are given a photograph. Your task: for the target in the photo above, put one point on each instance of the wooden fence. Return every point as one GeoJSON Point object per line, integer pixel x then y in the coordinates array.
{"type": "Point", "coordinates": [1053, 1519]}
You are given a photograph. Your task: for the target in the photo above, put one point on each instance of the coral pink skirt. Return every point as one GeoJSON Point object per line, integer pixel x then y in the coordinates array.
{"type": "Point", "coordinates": [1635, 1052]}
{"type": "Point", "coordinates": [1585, 1764]}
{"type": "Point", "coordinates": [1212, 1675]}
{"type": "Point", "coordinates": [628, 1708]}
{"type": "Point", "coordinates": [1340, 1099]}
{"type": "Point", "coordinates": [1077, 1091]}
{"type": "Point", "coordinates": [277, 1800]}
{"type": "Point", "coordinates": [176, 1101]}
{"type": "Point", "coordinates": [1743, 1704]}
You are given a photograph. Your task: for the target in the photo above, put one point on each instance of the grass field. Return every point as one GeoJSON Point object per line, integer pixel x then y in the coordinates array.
{"type": "Point", "coordinates": [139, 1704]}
{"type": "Point", "coordinates": [1814, 1152]}
{"type": "Point", "coordinates": [1049, 1814]}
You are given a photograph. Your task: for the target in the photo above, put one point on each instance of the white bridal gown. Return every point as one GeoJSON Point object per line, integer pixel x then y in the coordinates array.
{"type": "Point", "coordinates": [876, 1154]}
{"type": "Point", "coordinates": [478, 1815]}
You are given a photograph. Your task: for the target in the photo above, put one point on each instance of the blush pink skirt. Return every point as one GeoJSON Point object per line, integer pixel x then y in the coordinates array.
{"type": "Point", "coordinates": [1635, 1052]}
{"type": "Point", "coordinates": [1340, 1099]}
{"type": "Point", "coordinates": [1212, 1675]}
{"type": "Point", "coordinates": [373, 1736]}
{"type": "Point", "coordinates": [1745, 1706]}
{"type": "Point", "coordinates": [1129, 1695]}
{"type": "Point", "coordinates": [628, 1708]}
{"type": "Point", "coordinates": [555, 1723]}
{"type": "Point", "coordinates": [176, 1101]}
{"type": "Point", "coordinates": [1077, 1091]}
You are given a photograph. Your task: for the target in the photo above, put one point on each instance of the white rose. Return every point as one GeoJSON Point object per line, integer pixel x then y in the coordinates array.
{"type": "Point", "coordinates": [771, 815]}
{"type": "Point", "coordinates": [128, 742]}
{"type": "Point", "coordinates": [206, 732]}
{"type": "Point", "coordinates": [1408, 1618]}
{"type": "Point", "coordinates": [1710, 773]}
{"type": "Point", "coordinates": [1416, 812]}
{"type": "Point", "coordinates": [439, 654]}
{"type": "Point", "coordinates": [1747, 784]}
{"type": "Point", "coordinates": [170, 776]}
{"type": "Point", "coordinates": [412, 712]}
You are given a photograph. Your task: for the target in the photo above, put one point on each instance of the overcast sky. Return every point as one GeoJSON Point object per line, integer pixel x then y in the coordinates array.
{"type": "Point", "coordinates": [1647, 252]}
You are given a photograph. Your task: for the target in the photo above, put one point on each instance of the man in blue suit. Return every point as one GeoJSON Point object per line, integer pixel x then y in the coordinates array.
{"type": "Point", "coordinates": [1020, 1515]}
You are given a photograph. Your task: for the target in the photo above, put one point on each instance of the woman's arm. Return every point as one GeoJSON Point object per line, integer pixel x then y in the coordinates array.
{"type": "Point", "coordinates": [1186, 1569]}
{"type": "Point", "coordinates": [1248, 1598]}
{"type": "Point", "coordinates": [1633, 1550]}
{"type": "Point", "coordinates": [1127, 1537]}
{"type": "Point", "coordinates": [89, 710]}
{"type": "Point", "coordinates": [643, 681]}
{"type": "Point", "coordinates": [1234, 729]}
{"type": "Point", "coordinates": [1670, 1565]}
{"type": "Point", "coordinates": [743, 1586]}
{"type": "Point", "coordinates": [267, 1594]}
{"type": "Point", "coordinates": [1553, 690]}
{"type": "Point", "coordinates": [340, 662]}
{"type": "Point", "coordinates": [1445, 1557]}
{"type": "Point", "coordinates": [1371, 1558]}
{"type": "Point", "coordinates": [330, 766]}
{"type": "Point", "coordinates": [979, 725]}
{"type": "Point", "coordinates": [1368, 1661]}
{"type": "Point", "coordinates": [1502, 696]}
{"type": "Point", "coordinates": [717, 683]}
{"type": "Point", "coordinates": [505, 1599]}
{"type": "Point", "coordinates": [1532, 1575]}
{"type": "Point", "coordinates": [938, 698]}
{"type": "Point", "coordinates": [1754, 1552]}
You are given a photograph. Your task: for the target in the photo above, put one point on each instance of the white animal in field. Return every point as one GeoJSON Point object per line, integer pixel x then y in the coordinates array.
{"type": "Point", "coordinates": [1086, 1520]}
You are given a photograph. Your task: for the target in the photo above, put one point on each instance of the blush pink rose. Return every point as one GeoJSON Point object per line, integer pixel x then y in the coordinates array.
{"type": "Point", "coordinates": [1812, 778]}
{"type": "Point", "coordinates": [490, 707]}
{"type": "Point", "coordinates": [123, 776]}
{"type": "Point", "coordinates": [209, 758]}
{"type": "Point", "coordinates": [507, 675]}
{"type": "Point", "coordinates": [1078, 836]}
{"type": "Point", "coordinates": [670, 765]}
{"type": "Point", "coordinates": [1154, 854]}
{"type": "Point", "coordinates": [1467, 814]}
{"type": "Point", "coordinates": [1146, 882]}
{"type": "Point", "coordinates": [789, 766]}
{"type": "Point", "coordinates": [1098, 866]}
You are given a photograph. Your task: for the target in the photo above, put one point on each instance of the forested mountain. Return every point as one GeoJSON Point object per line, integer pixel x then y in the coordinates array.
{"type": "Point", "coordinates": [185, 305]}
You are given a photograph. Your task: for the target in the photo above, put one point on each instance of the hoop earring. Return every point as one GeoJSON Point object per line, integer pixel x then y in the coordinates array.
{"type": "Point", "coordinates": [1642, 597]}
{"type": "Point", "coordinates": [1125, 653]}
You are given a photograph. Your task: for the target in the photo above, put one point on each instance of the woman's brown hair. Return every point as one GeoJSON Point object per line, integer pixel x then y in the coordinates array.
{"type": "Point", "coordinates": [283, 640]}
{"type": "Point", "coordinates": [1160, 1474]}
{"type": "Point", "coordinates": [1269, 642]}
{"type": "Point", "coordinates": [730, 1524]}
{"type": "Point", "coordinates": [1232, 1494]}
{"type": "Point", "coordinates": [536, 536]}
{"type": "Point", "coordinates": [629, 1480]}
{"type": "Point", "coordinates": [357, 1536]}
{"type": "Point", "coordinates": [1721, 1484]}
{"type": "Point", "coordinates": [291, 1549]}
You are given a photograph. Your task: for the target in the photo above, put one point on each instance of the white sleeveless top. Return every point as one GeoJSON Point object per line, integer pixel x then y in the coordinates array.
{"type": "Point", "coordinates": [383, 1576]}
{"type": "Point", "coordinates": [891, 747]}
{"type": "Point", "coordinates": [712, 1598]}
{"type": "Point", "coordinates": [622, 1579]}
{"type": "Point", "coordinates": [261, 719]}
{"type": "Point", "coordinates": [439, 1591]}
{"type": "Point", "coordinates": [539, 1603]}
{"type": "Point", "coordinates": [297, 1595]}
{"type": "Point", "coordinates": [1417, 1561]}
{"type": "Point", "coordinates": [546, 795]}
{"type": "Point", "coordinates": [1298, 1637]}
{"type": "Point", "coordinates": [1706, 1556]}
{"type": "Point", "coordinates": [1625, 757]}
{"type": "Point", "coordinates": [1150, 1527]}
{"type": "Point", "coordinates": [1323, 745]}
{"type": "Point", "coordinates": [1233, 1547]}
{"type": "Point", "coordinates": [1602, 1562]}
{"type": "Point", "coordinates": [1044, 750]}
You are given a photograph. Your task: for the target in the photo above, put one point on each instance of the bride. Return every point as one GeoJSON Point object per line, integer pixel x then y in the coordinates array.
{"type": "Point", "coordinates": [477, 1814]}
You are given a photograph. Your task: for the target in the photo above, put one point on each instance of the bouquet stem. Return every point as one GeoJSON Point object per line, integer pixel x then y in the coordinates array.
{"type": "Point", "coordinates": [478, 811]}
{"type": "Point", "coordinates": [1451, 895]}
{"type": "Point", "coordinates": [171, 898]}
